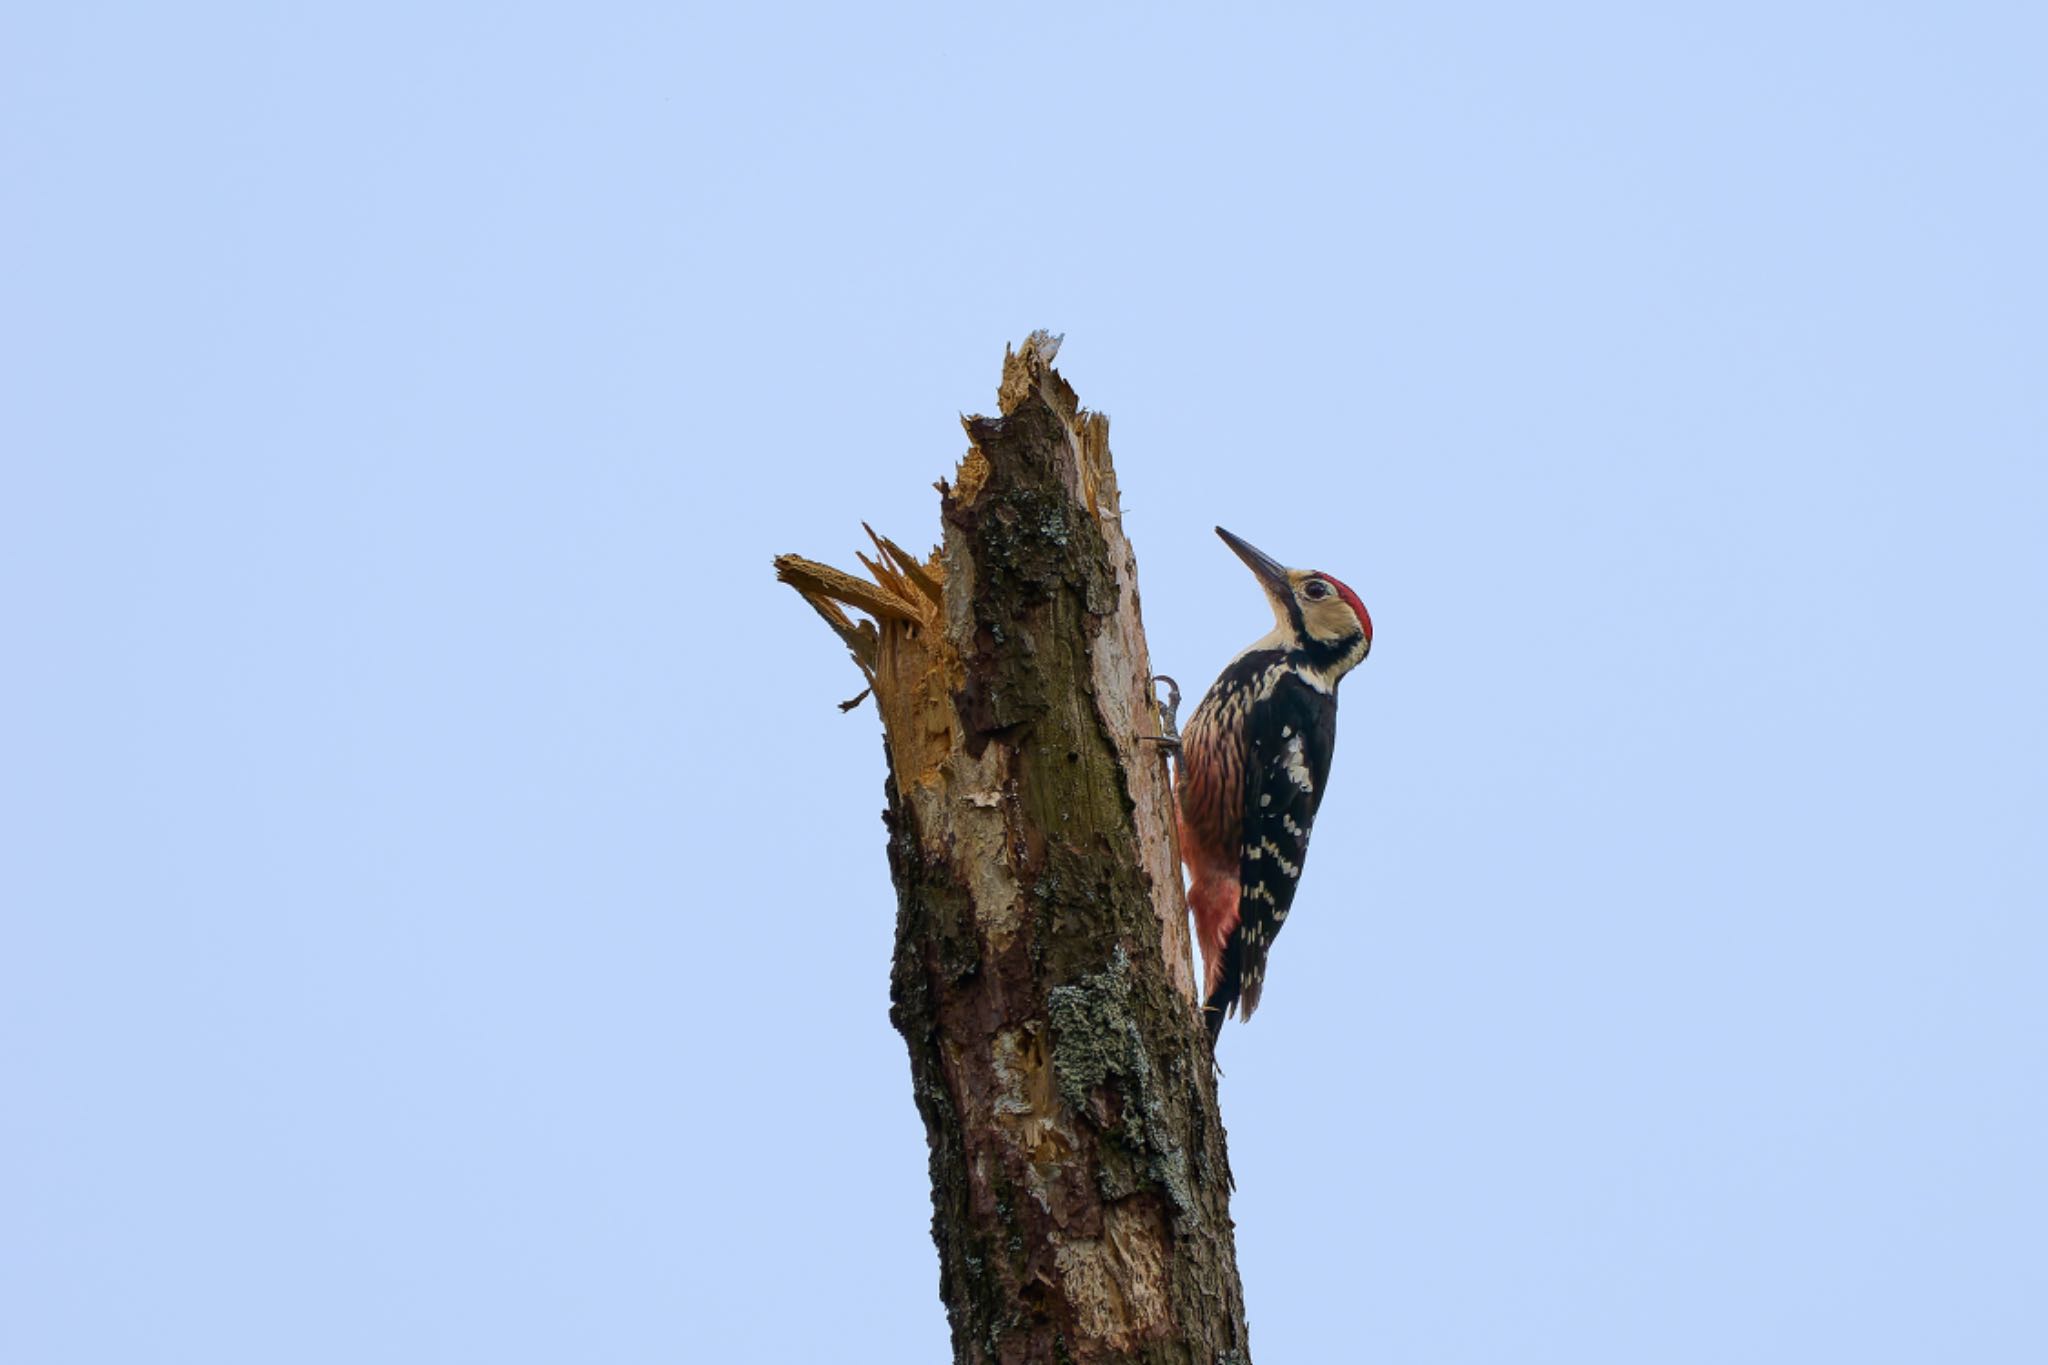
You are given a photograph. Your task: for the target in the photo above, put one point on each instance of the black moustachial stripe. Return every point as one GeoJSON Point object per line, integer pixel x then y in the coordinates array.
{"type": "Point", "coordinates": [1323, 655]}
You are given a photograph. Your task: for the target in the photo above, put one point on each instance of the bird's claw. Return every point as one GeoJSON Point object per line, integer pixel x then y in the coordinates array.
{"type": "Point", "coordinates": [1169, 714]}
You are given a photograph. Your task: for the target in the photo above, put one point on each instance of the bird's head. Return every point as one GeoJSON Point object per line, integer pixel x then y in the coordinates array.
{"type": "Point", "coordinates": [1314, 614]}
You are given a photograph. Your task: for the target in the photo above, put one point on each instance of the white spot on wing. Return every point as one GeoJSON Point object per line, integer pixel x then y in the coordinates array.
{"type": "Point", "coordinates": [1291, 869]}
{"type": "Point", "coordinates": [1295, 767]}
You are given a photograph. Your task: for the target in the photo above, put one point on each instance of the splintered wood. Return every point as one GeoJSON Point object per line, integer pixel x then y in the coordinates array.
{"type": "Point", "coordinates": [913, 668]}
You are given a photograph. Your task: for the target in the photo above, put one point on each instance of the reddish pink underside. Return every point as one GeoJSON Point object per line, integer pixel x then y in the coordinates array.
{"type": "Point", "coordinates": [1364, 617]}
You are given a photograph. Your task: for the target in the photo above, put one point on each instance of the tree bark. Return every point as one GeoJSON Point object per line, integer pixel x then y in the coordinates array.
{"type": "Point", "coordinates": [1043, 976]}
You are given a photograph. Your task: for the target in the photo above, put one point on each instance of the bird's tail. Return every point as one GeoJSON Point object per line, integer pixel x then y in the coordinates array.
{"type": "Point", "coordinates": [1223, 1001]}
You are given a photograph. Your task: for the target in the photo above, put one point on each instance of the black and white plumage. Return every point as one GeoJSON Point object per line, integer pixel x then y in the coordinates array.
{"type": "Point", "coordinates": [1255, 760]}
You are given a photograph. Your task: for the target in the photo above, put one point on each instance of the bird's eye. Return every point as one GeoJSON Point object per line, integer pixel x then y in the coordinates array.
{"type": "Point", "coordinates": [1315, 590]}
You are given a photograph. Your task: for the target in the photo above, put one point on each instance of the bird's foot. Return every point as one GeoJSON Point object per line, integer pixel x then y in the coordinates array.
{"type": "Point", "coordinates": [1168, 737]}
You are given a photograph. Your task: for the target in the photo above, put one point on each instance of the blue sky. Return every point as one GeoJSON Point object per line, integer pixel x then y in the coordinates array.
{"type": "Point", "coordinates": [443, 917]}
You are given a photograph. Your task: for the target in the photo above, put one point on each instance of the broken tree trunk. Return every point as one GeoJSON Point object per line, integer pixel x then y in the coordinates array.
{"type": "Point", "coordinates": [1043, 976]}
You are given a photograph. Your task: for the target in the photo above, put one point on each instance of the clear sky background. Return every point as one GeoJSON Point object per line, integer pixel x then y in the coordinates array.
{"type": "Point", "coordinates": [443, 918]}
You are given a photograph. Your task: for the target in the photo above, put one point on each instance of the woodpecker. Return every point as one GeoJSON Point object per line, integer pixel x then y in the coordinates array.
{"type": "Point", "coordinates": [1253, 763]}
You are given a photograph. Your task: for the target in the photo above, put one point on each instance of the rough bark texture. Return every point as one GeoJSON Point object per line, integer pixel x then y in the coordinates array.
{"type": "Point", "coordinates": [1043, 975]}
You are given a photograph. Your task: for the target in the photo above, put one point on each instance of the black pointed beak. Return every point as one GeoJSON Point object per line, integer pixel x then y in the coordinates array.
{"type": "Point", "coordinates": [1271, 572]}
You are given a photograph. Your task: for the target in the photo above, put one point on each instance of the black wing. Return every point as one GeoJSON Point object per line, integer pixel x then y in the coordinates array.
{"type": "Point", "coordinates": [1293, 733]}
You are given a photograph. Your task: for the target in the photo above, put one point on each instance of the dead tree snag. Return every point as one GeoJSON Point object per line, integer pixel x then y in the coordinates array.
{"type": "Point", "coordinates": [1043, 976]}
